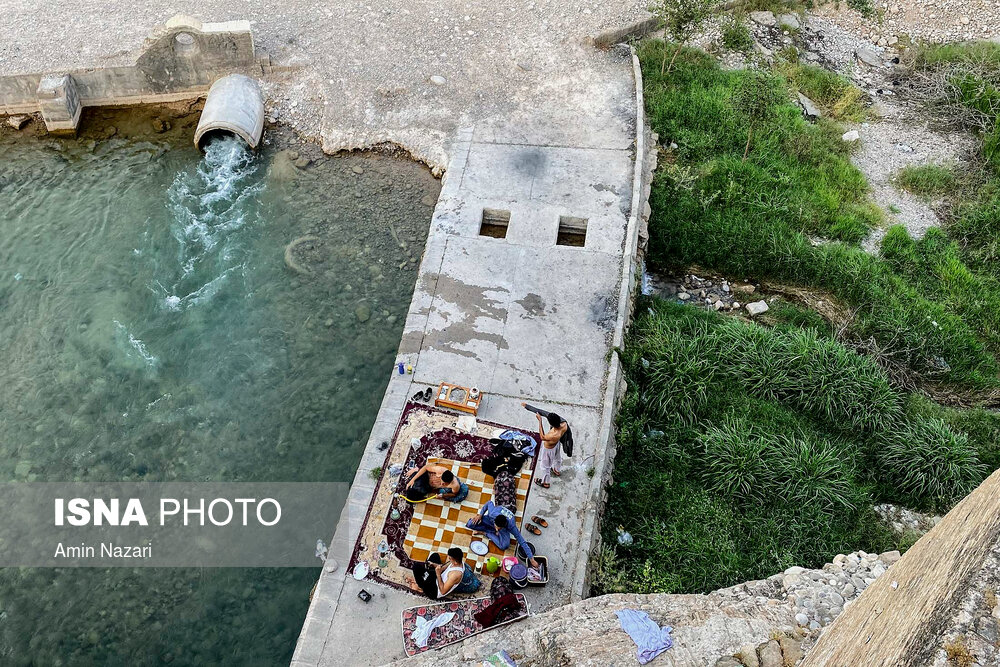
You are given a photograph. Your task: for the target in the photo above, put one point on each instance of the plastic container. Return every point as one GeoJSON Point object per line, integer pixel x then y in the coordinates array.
{"type": "Point", "coordinates": [520, 551]}
{"type": "Point", "coordinates": [543, 567]}
{"type": "Point", "coordinates": [519, 576]}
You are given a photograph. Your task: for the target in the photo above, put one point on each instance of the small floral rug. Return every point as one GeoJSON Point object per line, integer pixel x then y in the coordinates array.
{"type": "Point", "coordinates": [425, 433]}
{"type": "Point", "coordinates": [461, 627]}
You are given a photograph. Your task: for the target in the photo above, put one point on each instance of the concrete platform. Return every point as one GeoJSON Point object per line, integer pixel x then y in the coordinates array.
{"type": "Point", "coordinates": [522, 318]}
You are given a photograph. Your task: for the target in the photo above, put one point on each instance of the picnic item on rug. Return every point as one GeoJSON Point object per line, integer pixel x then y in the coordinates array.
{"type": "Point", "coordinates": [479, 547]}
{"type": "Point", "coordinates": [520, 551]}
{"type": "Point", "coordinates": [509, 562]}
{"type": "Point", "coordinates": [498, 659]}
{"type": "Point", "coordinates": [458, 398]}
{"type": "Point", "coordinates": [542, 571]}
{"type": "Point", "coordinates": [414, 531]}
{"type": "Point", "coordinates": [506, 456]}
{"type": "Point", "coordinates": [519, 575]}
{"type": "Point", "coordinates": [492, 564]}
{"type": "Point", "coordinates": [488, 616]}
{"type": "Point", "coordinates": [650, 639]}
{"type": "Point", "coordinates": [462, 626]}
{"type": "Point", "coordinates": [425, 627]}
{"type": "Point", "coordinates": [360, 570]}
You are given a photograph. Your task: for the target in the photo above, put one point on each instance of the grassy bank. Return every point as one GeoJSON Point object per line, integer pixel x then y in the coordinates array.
{"type": "Point", "coordinates": [793, 211]}
{"type": "Point", "coordinates": [745, 449]}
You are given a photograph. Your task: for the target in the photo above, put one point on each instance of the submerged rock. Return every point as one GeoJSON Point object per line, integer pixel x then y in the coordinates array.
{"type": "Point", "coordinates": [19, 121]}
{"type": "Point", "coordinates": [363, 312]}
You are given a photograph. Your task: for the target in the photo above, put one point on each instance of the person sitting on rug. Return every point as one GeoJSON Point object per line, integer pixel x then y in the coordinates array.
{"type": "Point", "coordinates": [437, 580]}
{"type": "Point", "coordinates": [497, 523]}
{"type": "Point", "coordinates": [431, 479]}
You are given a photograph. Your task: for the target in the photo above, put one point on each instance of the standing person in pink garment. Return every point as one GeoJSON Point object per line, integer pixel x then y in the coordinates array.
{"type": "Point", "coordinates": [550, 454]}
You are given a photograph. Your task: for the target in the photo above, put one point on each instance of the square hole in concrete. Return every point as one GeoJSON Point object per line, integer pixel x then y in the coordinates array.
{"type": "Point", "coordinates": [495, 223]}
{"type": "Point", "coordinates": [572, 231]}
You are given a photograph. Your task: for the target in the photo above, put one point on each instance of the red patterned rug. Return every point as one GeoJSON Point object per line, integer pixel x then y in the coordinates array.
{"type": "Point", "coordinates": [461, 627]}
{"type": "Point", "coordinates": [423, 432]}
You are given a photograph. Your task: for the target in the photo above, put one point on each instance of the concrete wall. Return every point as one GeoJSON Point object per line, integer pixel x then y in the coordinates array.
{"type": "Point", "coordinates": [180, 60]}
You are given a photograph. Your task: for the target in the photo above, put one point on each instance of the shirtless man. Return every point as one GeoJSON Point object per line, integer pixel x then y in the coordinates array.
{"type": "Point", "coordinates": [550, 457]}
{"type": "Point", "coordinates": [435, 479]}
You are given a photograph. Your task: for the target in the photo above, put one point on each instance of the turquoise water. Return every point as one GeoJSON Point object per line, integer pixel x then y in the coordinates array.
{"type": "Point", "coordinates": [151, 328]}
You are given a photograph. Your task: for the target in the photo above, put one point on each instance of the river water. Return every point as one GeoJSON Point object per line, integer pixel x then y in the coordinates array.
{"type": "Point", "coordinates": [152, 328]}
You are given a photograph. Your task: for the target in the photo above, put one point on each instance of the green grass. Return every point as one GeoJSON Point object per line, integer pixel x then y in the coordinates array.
{"type": "Point", "coordinates": [927, 180]}
{"type": "Point", "coordinates": [755, 218]}
{"type": "Point", "coordinates": [744, 449]}
{"type": "Point", "coordinates": [834, 93]}
{"type": "Point", "coordinates": [792, 440]}
{"type": "Point", "coordinates": [935, 265]}
{"type": "Point", "coordinates": [736, 34]}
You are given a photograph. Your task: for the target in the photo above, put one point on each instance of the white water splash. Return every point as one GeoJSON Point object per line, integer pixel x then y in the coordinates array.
{"type": "Point", "coordinates": [208, 204]}
{"type": "Point", "coordinates": [645, 285]}
{"type": "Point", "coordinates": [136, 345]}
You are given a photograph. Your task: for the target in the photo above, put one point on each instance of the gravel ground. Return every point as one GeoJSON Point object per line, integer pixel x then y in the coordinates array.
{"type": "Point", "coordinates": [363, 72]}
{"type": "Point", "coordinates": [931, 20]}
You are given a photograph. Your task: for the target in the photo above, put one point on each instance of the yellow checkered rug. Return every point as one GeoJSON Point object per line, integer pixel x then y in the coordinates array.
{"type": "Point", "coordinates": [438, 525]}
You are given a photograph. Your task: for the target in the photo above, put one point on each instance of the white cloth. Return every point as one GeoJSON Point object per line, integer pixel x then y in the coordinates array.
{"type": "Point", "coordinates": [549, 460]}
{"type": "Point", "coordinates": [425, 627]}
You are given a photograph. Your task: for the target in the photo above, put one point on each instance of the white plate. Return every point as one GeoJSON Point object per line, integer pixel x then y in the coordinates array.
{"type": "Point", "coordinates": [361, 570]}
{"type": "Point", "coordinates": [479, 547]}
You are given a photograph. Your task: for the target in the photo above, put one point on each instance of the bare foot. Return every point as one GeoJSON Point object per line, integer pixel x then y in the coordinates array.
{"type": "Point", "coordinates": [412, 583]}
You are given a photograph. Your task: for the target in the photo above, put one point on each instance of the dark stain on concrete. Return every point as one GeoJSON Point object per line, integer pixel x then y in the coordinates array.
{"type": "Point", "coordinates": [472, 303]}
{"type": "Point", "coordinates": [602, 312]}
{"type": "Point", "coordinates": [533, 304]}
{"type": "Point", "coordinates": [530, 162]}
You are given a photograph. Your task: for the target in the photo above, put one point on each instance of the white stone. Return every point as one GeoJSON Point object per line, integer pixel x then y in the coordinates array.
{"type": "Point", "coordinates": [795, 570]}
{"type": "Point", "coordinates": [789, 21]}
{"type": "Point", "coordinates": [757, 308]}
{"type": "Point", "coordinates": [19, 121]}
{"type": "Point", "coordinates": [438, 80]}
{"type": "Point", "coordinates": [801, 619]}
{"type": "Point", "coordinates": [763, 18]}
{"type": "Point", "coordinates": [851, 135]}
{"type": "Point", "coordinates": [889, 557]}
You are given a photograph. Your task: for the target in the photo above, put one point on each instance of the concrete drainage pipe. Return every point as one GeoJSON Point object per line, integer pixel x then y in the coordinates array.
{"type": "Point", "coordinates": [234, 106]}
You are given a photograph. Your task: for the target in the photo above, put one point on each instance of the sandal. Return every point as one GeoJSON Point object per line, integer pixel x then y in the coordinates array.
{"type": "Point", "coordinates": [419, 396]}
{"type": "Point", "coordinates": [540, 521]}
{"type": "Point", "coordinates": [542, 484]}
{"type": "Point", "coordinates": [556, 473]}
{"type": "Point", "coordinates": [534, 529]}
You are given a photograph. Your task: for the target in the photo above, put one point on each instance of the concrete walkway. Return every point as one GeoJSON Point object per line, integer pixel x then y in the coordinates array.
{"type": "Point", "coordinates": [520, 317]}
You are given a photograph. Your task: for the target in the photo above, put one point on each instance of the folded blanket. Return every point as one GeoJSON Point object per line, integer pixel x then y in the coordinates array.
{"type": "Point", "coordinates": [488, 616]}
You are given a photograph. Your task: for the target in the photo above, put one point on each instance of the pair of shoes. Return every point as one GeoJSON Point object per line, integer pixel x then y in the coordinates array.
{"type": "Point", "coordinates": [533, 529]}
{"type": "Point", "coordinates": [540, 521]}
{"type": "Point", "coordinates": [423, 395]}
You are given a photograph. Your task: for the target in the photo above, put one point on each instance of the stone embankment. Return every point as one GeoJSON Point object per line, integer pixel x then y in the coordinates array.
{"type": "Point", "coordinates": [767, 623]}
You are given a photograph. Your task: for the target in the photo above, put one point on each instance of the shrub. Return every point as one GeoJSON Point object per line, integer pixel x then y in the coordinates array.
{"type": "Point", "coordinates": [925, 464]}
{"type": "Point", "coordinates": [736, 35]}
{"type": "Point", "coordinates": [818, 376]}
